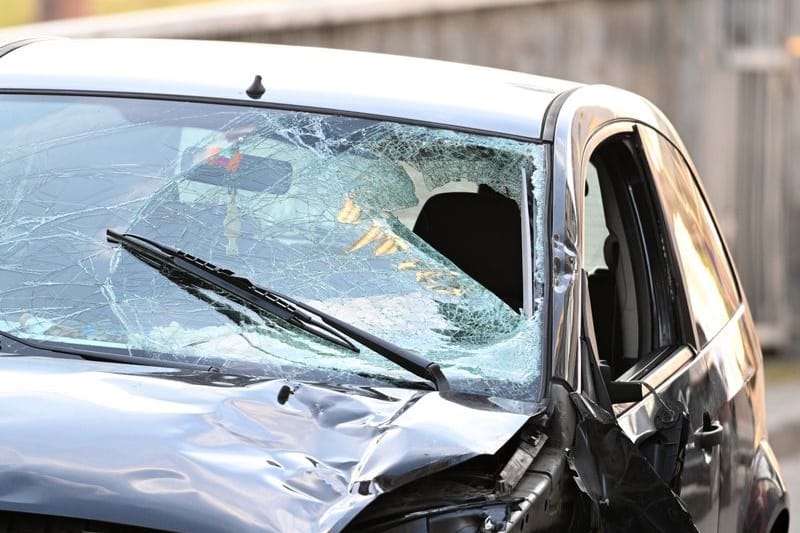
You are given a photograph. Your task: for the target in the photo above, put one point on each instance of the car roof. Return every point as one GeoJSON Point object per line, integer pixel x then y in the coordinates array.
{"type": "Point", "coordinates": [409, 89]}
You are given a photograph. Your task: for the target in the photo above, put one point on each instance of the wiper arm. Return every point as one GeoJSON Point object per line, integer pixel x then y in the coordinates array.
{"type": "Point", "coordinates": [197, 270]}
{"type": "Point", "coordinates": [169, 261]}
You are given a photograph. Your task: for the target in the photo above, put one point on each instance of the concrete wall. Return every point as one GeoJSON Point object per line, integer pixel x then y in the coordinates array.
{"type": "Point", "coordinates": [727, 95]}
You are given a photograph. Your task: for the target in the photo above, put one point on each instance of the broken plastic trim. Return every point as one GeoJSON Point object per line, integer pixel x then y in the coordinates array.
{"type": "Point", "coordinates": [622, 491]}
{"type": "Point", "coordinates": [331, 329]}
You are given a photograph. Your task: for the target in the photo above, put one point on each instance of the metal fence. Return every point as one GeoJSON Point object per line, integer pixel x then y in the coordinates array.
{"type": "Point", "coordinates": [718, 68]}
{"type": "Point", "coordinates": [755, 33]}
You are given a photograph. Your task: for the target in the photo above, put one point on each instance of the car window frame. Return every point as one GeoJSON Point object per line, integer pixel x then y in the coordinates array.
{"type": "Point", "coordinates": [713, 231]}
{"type": "Point", "coordinates": [664, 366]}
{"type": "Point", "coordinates": [661, 363]}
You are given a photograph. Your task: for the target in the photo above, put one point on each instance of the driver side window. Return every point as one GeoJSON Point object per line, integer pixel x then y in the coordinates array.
{"type": "Point", "coordinates": [631, 286]}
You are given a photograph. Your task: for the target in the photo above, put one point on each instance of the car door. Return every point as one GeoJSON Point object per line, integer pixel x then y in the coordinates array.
{"type": "Point", "coordinates": [643, 322]}
{"type": "Point", "coordinates": [723, 328]}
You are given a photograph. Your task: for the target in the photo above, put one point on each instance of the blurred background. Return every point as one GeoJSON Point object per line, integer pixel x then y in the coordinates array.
{"type": "Point", "coordinates": [726, 72]}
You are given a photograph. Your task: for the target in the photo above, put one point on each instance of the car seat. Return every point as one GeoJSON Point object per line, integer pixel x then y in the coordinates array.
{"type": "Point", "coordinates": [482, 234]}
{"type": "Point", "coordinates": [605, 308]}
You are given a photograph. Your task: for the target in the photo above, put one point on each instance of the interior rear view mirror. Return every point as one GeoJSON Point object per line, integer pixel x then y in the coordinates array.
{"type": "Point", "coordinates": [251, 173]}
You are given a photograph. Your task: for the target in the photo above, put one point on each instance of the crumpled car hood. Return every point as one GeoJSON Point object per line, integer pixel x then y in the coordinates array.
{"type": "Point", "coordinates": [201, 453]}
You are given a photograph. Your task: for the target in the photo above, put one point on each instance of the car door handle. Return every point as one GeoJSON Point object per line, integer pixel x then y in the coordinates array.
{"type": "Point", "coordinates": [710, 435]}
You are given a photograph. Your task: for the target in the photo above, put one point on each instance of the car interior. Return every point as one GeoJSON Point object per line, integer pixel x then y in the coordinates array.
{"type": "Point", "coordinates": [629, 274]}
{"type": "Point", "coordinates": [482, 234]}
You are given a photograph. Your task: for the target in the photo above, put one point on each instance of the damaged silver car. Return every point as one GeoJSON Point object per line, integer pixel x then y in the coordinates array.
{"type": "Point", "coordinates": [251, 288]}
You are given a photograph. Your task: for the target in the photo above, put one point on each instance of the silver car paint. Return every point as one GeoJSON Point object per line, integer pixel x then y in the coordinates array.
{"type": "Point", "coordinates": [189, 452]}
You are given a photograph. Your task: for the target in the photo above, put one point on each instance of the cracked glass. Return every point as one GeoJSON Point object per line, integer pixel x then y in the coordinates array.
{"type": "Point", "coordinates": [318, 207]}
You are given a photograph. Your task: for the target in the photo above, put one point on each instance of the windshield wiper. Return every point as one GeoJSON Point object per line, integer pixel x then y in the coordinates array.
{"type": "Point", "coordinates": [14, 344]}
{"type": "Point", "coordinates": [170, 262]}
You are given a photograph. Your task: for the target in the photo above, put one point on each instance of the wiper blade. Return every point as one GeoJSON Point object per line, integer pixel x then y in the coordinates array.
{"type": "Point", "coordinates": [162, 257]}
{"type": "Point", "coordinates": [170, 261]}
{"type": "Point", "coordinates": [95, 355]}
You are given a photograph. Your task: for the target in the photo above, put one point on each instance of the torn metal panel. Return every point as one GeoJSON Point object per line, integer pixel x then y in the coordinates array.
{"type": "Point", "coordinates": [480, 494]}
{"type": "Point", "coordinates": [227, 453]}
{"type": "Point", "coordinates": [623, 492]}
{"type": "Point", "coordinates": [518, 464]}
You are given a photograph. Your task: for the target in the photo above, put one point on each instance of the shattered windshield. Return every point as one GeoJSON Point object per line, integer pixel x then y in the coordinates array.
{"type": "Point", "coordinates": [411, 233]}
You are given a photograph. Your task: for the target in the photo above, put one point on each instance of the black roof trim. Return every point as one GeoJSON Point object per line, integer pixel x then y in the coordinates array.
{"type": "Point", "coordinates": [269, 105]}
{"type": "Point", "coordinates": [13, 45]}
{"type": "Point", "coordinates": [548, 132]}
